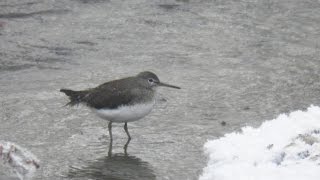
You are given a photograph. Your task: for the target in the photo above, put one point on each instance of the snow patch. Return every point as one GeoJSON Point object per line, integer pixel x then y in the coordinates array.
{"type": "Point", "coordinates": [285, 148]}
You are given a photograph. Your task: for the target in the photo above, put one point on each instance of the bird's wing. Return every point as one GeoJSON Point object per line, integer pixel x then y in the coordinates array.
{"type": "Point", "coordinates": [110, 95]}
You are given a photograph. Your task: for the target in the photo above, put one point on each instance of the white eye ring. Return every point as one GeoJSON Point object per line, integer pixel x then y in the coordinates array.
{"type": "Point", "coordinates": [150, 80]}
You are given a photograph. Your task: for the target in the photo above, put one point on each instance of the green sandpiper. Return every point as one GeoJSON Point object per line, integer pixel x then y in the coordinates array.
{"type": "Point", "coordinates": [120, 101]}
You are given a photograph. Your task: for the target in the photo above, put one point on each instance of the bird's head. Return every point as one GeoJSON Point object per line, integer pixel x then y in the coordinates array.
{"type": "Point", "coordinates": [151, 80]}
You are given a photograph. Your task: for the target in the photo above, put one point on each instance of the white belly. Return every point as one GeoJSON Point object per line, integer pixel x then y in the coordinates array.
{"type": "Point", "coordinates": [125, 113]}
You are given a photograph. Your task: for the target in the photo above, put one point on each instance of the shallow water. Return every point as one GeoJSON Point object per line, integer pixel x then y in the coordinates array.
{"type": "Point", "coordinates": [238, 63]}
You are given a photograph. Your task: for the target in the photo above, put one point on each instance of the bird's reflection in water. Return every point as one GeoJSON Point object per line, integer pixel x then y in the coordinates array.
{"type": "Point", "coordinates": [117, 166]}
{"type": "Point", "coordinates": [125, 147]}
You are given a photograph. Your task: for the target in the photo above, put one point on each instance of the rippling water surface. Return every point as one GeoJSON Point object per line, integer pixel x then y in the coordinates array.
{"type": "Point", "coordinates": [238, 63]}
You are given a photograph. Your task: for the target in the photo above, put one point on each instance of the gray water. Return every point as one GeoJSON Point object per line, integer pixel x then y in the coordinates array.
{"type": "Point", "coordinates": [238, 63]}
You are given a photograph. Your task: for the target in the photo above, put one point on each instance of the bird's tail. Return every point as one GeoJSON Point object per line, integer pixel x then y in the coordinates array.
{"type": "Point", "coordinates": [75, 97]}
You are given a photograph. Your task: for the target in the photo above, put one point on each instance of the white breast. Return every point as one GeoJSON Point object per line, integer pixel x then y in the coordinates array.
{"type": "Point", "coordinates": [125, 113]}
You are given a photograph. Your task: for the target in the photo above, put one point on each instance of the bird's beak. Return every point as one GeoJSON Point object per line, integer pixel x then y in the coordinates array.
{"type": "Point", "coordinates": [168, 85]}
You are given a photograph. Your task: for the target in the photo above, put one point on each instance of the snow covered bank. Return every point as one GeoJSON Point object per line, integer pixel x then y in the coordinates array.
{"type": "Point", "coordinates": [286, 148]}
{"type": "Point", "coordinates": [16, 160]}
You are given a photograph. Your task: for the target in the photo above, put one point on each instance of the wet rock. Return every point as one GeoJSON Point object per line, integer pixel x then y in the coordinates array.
{"type": "Point", "coordinates": [21, 161]}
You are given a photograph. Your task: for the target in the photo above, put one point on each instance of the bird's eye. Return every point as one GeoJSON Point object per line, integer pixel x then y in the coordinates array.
{"type": "Point", "coordinates": [150, 80]}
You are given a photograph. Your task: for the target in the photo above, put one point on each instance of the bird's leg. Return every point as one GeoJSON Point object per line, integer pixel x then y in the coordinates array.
{"type": "Point", "coordinates": [111, 139]}
{"type": "Point", "coordinates": [129, 138]}
{"type": "Point", "coordinates": [126, 129]}
{"type": "Point", "coordinates": [110, 150]}
{"type": "Point", "coordinates": [110, 131]}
